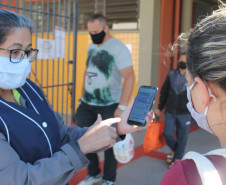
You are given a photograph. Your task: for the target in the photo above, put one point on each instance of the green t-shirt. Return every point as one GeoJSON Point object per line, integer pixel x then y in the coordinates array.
{"type": "Point", "coordinates": [103, 82]}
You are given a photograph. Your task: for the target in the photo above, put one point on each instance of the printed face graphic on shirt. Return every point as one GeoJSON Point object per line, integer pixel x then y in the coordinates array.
{"type": "Point", "coordinates": [99, 70]}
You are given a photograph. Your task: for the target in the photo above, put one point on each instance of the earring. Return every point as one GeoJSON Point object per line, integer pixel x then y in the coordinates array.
{"type": "Point", "coordinates": [202, 102]}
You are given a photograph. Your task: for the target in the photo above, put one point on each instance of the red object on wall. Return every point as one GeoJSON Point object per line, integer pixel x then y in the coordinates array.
{"type": "Point", "coordinates": [12, 3]}
{"type": "Point", "coordinates": [40, 1]}
{"type": "Point", "coordinates": [169, 31]}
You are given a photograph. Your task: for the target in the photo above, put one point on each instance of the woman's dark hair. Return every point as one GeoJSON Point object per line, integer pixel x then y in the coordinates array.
{"type": "Point", "coordinates": [206, 51]}
{"type": "Point", "coordinates": [10, 20]}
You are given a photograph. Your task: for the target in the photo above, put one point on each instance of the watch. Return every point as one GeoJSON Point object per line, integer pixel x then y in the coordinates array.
{"type": "Point", "coordinates": [122, 107]}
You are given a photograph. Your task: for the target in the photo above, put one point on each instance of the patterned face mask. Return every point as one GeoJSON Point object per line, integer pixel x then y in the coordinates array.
{"type": "Point", "coordinates": [201, 119]}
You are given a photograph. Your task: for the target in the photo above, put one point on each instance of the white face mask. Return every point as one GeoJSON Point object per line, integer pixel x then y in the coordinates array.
{"type": "Point", "coordinates": [201, 119]}
{"type": "Point", "coordinates": [13, 75]}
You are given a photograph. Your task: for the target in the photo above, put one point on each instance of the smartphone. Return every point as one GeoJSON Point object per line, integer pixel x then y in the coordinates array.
{"type": "Point", "coordinates": [142, 105]}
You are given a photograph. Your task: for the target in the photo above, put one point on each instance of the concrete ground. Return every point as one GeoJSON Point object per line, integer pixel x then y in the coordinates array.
{"type": "Point", "coordinates": [149, 169]}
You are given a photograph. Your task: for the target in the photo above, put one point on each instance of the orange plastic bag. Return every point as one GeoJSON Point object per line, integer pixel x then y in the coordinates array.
{"type": "Point", "coordinates": [153, 138]}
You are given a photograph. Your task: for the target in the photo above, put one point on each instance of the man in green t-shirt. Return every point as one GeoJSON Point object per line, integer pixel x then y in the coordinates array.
{"type": "Point", "coordinates": [109, 61]}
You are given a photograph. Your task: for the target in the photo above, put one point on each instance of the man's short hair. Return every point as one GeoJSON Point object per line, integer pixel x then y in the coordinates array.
{"type": "Point", "coordinates": [99, 17]}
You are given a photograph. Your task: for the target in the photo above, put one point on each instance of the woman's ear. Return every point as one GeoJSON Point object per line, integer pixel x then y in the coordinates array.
{"type": "Point", "coordinates": [205, 92]}
{"type": "Point", "coordinates": [106, 29]}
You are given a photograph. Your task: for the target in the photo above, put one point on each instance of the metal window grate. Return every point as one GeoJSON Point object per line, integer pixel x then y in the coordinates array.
{"type": "Point", "coordinates": [55, 35]}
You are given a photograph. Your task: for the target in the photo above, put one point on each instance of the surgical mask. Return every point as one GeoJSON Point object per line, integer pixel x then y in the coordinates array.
{"type": "Point", "coordinates": [182, 65]}
{"type": "Point", "coordinates": [13, 75]}
{"type": "Point", "coordinates": [201, 119]}
{"type": "Point", "coordinates": [98, 38]}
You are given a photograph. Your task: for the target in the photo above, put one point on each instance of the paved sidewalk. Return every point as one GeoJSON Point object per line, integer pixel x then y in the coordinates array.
{"type": "Point", "coordinates": [148, 169]}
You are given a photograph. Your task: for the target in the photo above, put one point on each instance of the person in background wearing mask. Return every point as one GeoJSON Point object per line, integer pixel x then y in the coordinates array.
{"type": "Point", "coordinates": [173, 96]}
{"type": "Point", "coordinates": [206, 90]}
{"type": "Point", "coordinates": [36, 148]}
{"type": "Point", "coordinates": [109, 61]}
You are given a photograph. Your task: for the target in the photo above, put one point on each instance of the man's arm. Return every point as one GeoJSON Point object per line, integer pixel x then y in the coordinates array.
{"type": "Point", "coordinates": [127, 88]}
{"type": "Point", "coordinates": [163, 96]}
{"type": "Point", "coordinates": [164, 93]}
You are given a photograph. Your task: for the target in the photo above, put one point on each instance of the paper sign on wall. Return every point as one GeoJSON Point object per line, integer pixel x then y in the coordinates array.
{"type": "Point", "coordinates": [129, 46]}
{"type": "Point", "coordinates": [59, 43]}
{"type": "Point", "coordinates": [46, 48]}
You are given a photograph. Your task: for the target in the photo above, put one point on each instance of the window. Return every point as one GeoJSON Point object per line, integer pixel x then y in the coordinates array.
{"type": "Point", "coordinates": [120, 14]}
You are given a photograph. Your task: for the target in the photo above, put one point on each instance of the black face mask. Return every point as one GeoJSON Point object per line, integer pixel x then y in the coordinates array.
{"type": "Point", "coordinates": [98, 38]}
{"type": "Point", "coordinates": [182, 65]}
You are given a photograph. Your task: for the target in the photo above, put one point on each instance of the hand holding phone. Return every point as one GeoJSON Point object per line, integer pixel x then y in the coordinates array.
{"type": "Point", "coordinates": [142, 105]}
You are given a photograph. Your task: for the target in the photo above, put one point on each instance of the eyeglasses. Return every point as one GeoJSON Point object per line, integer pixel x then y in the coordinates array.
{"type": "Point", "coordinates": [17, 55]}
{"type": "Point", "coordinates": [90, 75]}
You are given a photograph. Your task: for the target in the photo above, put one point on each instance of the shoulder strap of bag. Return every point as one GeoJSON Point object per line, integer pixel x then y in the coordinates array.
{"type": "Point", "coordinates": [208, 173]}
{"type": "Point", "coordinates": [220, 152]}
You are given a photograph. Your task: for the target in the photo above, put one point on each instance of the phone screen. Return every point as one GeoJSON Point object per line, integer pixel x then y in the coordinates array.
{"type": "Point", "coordinates": [142, 105]}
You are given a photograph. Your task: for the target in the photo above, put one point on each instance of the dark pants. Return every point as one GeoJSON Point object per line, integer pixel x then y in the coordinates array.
{"type": "Point", "coordinates": [181, 123]}
{"type": "Point", "coordinates": [85, 116]}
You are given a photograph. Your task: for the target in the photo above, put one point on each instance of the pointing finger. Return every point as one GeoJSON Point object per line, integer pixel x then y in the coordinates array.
{"type": "Point", "coordinates": [111, 121]}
